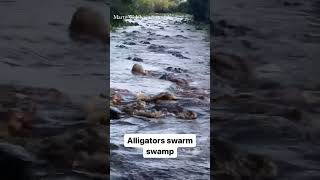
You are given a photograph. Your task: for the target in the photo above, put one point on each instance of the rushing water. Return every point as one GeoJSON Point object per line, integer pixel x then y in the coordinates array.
{"type": "Point", "coordinates": [174, 38]}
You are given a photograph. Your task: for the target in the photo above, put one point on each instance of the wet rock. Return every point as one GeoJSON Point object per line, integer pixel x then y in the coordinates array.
{"type": "Point", "coordinates": [171, 77]}
{"type": "Point", "coordinates": [15, 162]}
{"type": "Point", "coordinates": [88, 22]}
{"type": "Point", "coordinates": [156, 48]}
{"type": "Point", "coordinates": [137, 69]}
{"type": "Point", "coordinates": [181, 36]}
{"type": "Point", "coordinates": [148, 114]}
{"type": "Point", "coordinates": [116, 99]}
{"type": "Point", "coordinates": [115, 113]}
{"type": "Point", "coordinates": [130, 43]}
{"type": "Point", "coordinates": [137, 59]}
{"type": "Point", "coordinates": [173, 107]}
{"type": "Point", "coordinates": [187, 114]}
{"type": "Point", "coordinates": [122, 46]}
{"type": "Point", "coordinates": [145, 42]}
{"type": "Point", "coordinates": [163, 96]}
{"type": "Point", "coordinates": [176, 70]}
{"type": "Point", "coordinates": [177, 54]}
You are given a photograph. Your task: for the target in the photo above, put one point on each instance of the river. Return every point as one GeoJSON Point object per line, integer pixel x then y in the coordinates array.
{"type": "Point", "coordinates": [179, 45]}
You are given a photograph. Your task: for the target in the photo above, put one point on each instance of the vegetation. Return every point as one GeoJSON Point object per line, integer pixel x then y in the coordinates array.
{"type": "Point", "coordinates": [198, 8]}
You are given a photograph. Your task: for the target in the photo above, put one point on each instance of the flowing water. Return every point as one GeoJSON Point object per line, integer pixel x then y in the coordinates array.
{"type": "Point", "coordinates": [178, 45]}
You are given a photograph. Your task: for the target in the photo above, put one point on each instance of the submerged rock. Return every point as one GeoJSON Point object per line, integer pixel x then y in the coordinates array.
{"type": "Point", "coordinates": [130, 43]}
{"type": "Point", "coordinates": [157, 48]}
{"type": "Point", "coordinates": [146, 42]}
{"type": "Point", "coordinates": [122, 46]}
{"type": "Point", "coordinates": [177, 54]}
{"type": "Point", "coordinates": [176, 70]}
{"type": "Point", "coordinates": [137, 59]}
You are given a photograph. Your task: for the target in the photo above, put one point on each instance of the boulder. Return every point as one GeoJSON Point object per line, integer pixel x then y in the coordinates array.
{"type": "Point", "coordinates": [137, 69]}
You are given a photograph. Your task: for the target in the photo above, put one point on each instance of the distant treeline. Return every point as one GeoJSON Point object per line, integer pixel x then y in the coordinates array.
{"type": "Point", "coordinates": [198, 8]}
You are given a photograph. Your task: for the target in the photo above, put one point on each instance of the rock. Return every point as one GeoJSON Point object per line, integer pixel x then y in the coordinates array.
{"type": "Point", "coordinates": [116, 99]}
{"type": "Point", "coordinates": [176, 70]}
{"type": "Point", "coordinates": [122, 46]}
{"type": "Point", "coordinates": [88, 22]}
{"type": "Point", "coordinates": [137, 69]}
{"type": "Point", "coordinates": [156, 48]}
{"type": "Point", "coordinates": [145, 42]}
{"type": "Point", "coordinates": [20, 123]}
{"type": "Point", "coordinates": [137, 59]}
{"type": "Point", "coordinates": [15, 162]}
{"type": "Point", "coordinates": [163, 96]}
{"type": "Point", "coordinates": [130, 43]}
{"type": "Point", "coordinates": [177, 54]}
{"type": "Point", "coordinates": [171, 77]}
{"type": "Point", "coordinates": [187, 114]}
{"type": "Point", "coordinates": [115, 113]}
{"type": "Point", "coordinates": [148, 114]}
{"type": "Point", "coordinates": [181, 36]}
